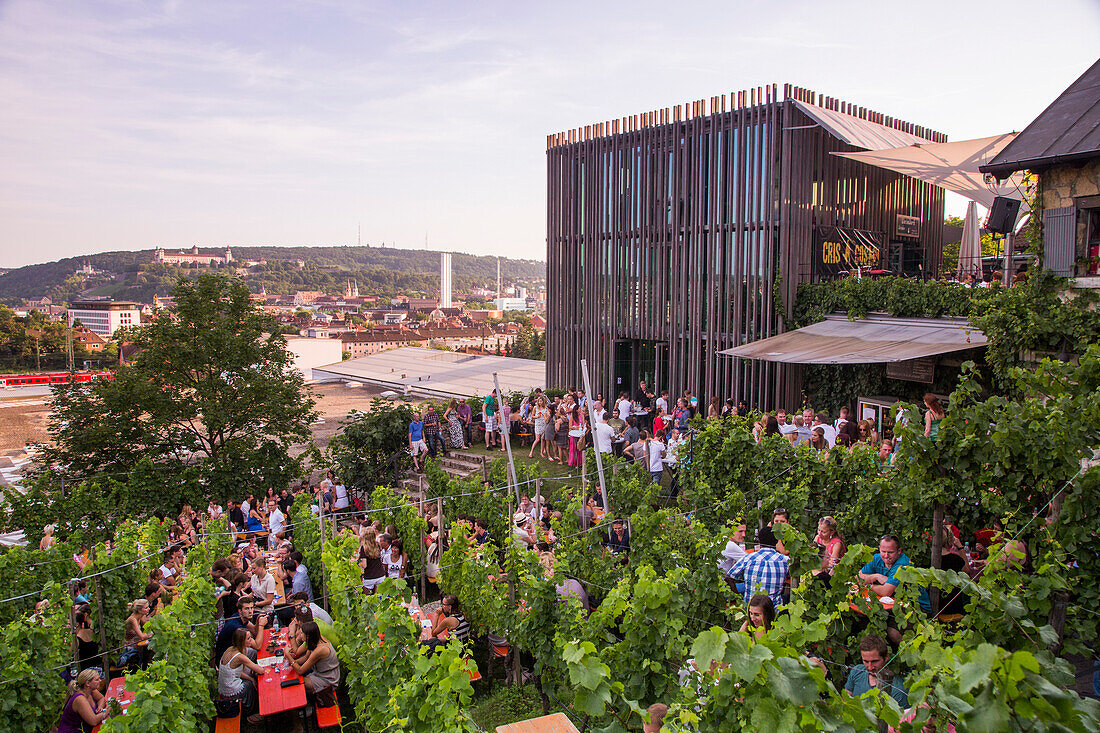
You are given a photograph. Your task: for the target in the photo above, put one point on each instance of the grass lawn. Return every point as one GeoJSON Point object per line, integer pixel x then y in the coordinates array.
{"type": "Point", "coordinates": [519, 454]}
{"type": "Point", "coordinates": [503, 704]}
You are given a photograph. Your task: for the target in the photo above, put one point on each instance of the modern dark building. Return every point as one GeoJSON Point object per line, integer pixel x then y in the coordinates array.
{"type": "Point", "coordinates": [678, 233]}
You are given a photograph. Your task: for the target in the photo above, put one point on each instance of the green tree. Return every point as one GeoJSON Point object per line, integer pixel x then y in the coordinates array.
{"type": "Point", "coordinates": [212, 388]}
{"type": "Point", "coordinates": [370, 440]}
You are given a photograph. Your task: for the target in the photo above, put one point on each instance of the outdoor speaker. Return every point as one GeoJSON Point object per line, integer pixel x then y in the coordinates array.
{"type": "Point", "coordinates": [1002, 217]}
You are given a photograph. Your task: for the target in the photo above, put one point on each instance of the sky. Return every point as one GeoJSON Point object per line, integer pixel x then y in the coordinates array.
{"type": "Point", "coordinates": [132, 124]}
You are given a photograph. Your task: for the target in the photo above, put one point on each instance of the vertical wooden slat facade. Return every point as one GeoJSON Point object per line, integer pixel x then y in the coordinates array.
{"type": "Point", "coordinates": [673, 227]}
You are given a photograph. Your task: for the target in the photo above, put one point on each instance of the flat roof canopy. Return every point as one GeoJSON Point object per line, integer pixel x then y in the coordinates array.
{"type": "Point", "coordinates": [872, 340]}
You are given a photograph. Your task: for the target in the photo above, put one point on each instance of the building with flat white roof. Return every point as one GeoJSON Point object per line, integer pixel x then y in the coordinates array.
{"type": "Point", "coordinates": [434, 373]}
{"type": "Point", "coordinates": [104, 317]}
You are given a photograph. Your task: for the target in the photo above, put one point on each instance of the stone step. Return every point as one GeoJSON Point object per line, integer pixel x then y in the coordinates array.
{"type": "Point", "coordinates": [469, 456]}
{"type": "Point", "coordinates": [459, 464]}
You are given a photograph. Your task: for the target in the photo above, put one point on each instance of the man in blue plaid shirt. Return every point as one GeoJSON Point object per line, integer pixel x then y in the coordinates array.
{"type": "Point", "coordinates": [763, 571]}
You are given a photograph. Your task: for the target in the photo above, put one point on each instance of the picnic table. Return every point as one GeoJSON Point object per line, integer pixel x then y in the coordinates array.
{"type": "Point", "coordinates": [274, 698]}
{"type": "Point", "coordinates": [555, 723]}
{"type": "Point", "coordinates": [273, 567]}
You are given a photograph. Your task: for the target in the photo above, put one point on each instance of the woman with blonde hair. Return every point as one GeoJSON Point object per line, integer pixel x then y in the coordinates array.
{"type": "Point", "coordinates": [86, 707]}
{"type": "Point", "coordinates": [832, 546]}
{"type": "Point", "coordinates": [867, 433]}
{"type": "Point", "coordinates": [135, 633]}
{"type": "Point", "coordinates": [933, 416]}
{"type": "Point", "coordinates": [370, 559]}
{"type": "Point", "coordinates": [542, 416]}
{"type": "Point", "coordinates": [48, 539]}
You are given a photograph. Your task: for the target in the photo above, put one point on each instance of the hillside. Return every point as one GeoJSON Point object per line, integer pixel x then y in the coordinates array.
{"type": "Point", "coordinates": [377, 271]}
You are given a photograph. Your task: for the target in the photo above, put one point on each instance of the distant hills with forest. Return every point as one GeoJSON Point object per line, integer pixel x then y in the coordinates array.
{"type": "Point", "coordinates": [381, 271]}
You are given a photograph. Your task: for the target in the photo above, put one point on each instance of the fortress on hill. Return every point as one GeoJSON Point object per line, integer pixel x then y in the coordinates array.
{"type": "Point", "coordinates": [186, 258]}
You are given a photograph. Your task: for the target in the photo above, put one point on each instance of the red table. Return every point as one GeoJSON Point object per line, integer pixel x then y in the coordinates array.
{"type": "Point", "coordinates": [116, 690]}
{"type": "Point", "coordinates": [274, 698]}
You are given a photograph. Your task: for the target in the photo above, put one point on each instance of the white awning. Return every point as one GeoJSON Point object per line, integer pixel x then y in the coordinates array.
{"type": "Point", "coordinates": [953, 166]}
{"type": "Point", "coordinates": [856, 131]}
{"type": "Point", "coordinates": [872, 340]}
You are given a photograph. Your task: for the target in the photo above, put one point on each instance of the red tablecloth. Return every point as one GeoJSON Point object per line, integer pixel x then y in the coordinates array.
{"type": "Point", "coordinates": [116, 690]}
{"type": "Point", "coordinates": [274, 698]}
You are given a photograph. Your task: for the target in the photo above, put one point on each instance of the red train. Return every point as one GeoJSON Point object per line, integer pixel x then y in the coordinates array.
{"type": "Point", "coordinates": [29, 380]}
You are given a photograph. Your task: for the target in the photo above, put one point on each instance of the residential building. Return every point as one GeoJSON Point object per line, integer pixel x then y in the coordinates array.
{"type": "Point", "coordinates": [104, 317]}
{"type": "Point", "coordinates": [510, 304]}
{"type": "Point", "coordinates": [678, 233]}
{"type": "Point", "coordinates": [91, 341]}
{"type": "Point", "coordinates": [365, 343]}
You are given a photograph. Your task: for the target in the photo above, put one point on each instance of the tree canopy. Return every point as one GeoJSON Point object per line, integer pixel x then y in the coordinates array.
{"type": "Point", "coordinates": [212, 395]}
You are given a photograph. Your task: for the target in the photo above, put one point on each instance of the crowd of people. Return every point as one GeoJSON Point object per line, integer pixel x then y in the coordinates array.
{"type": "Point", "coordinates": [244, 605]}
{"type": "Point", "coordinates": [643, 427]}
{"type": "Point", "coordinates": [816, 430]}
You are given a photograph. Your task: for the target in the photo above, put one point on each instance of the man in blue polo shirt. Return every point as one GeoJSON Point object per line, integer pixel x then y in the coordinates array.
{"type": "Point", "coordinates": [879, 574]}
{"type": "Point", "coordinates": [416, 439]}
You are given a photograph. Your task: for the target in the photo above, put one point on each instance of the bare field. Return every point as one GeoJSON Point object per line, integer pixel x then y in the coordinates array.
{"type": "Point", "coordinates": [23, 418]}
{"type": "Point", "coordinates": [22, 421]}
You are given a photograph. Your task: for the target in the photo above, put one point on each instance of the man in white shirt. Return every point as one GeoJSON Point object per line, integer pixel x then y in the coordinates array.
{"type": "Point", "coordinates": [842, 419]}
{"type": "Point", "coordinates": [662, 401]}
{"type": "Point", "coordinates": [598, 410]}
{"type": "Point", "coordinates": [735, 549]}
{"type": "Point", "coordinates": [820, 420]}
{"type": "Point", "coordinates": [623, 407]}
{"type": "Point", "coordinates": [602, 435]}
{"type": "Point", "coordinates": [276, 521]}
{"type": "Point", "coordinates": [656, 451]}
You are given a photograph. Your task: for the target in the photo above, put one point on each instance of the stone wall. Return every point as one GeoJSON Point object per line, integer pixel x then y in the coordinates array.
{"type": "Point", "coordinates": [1063, 184]}
{"type": "Point", "coordinates": [1066, 185]}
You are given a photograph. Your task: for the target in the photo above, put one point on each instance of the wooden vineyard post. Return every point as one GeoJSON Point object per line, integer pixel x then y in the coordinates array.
{"type": "Point", "coordinates": [937, 554]}
{"type": "Point", "coordinates": [102, 619]}
{"type": "Point", "coordinates": [538, 503]}
{"type": "Point", "coordinates": [517, 669]}
{"type": "Point", "coordinates": [423, 547]}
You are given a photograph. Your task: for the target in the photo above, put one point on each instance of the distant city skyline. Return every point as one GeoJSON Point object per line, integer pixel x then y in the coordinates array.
{"type": "Point", "coordinates": [129, 126]}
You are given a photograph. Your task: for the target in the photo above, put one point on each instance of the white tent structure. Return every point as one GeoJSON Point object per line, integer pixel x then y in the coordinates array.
{"type": "Point", "coordinates": [970, 247]}
{"type": "Point", "coordinates": [953, 166]}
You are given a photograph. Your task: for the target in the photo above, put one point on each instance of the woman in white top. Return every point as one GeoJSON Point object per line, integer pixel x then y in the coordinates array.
{"type": "Point", "coordinates": [341, 493]}
{"type": "Point", "coordinates": [234, 682]}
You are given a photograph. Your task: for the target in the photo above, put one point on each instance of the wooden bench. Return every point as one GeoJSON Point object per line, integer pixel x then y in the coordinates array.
{"type": "Point", "coordinates": [229, 725]}
{"type": "Point", "coordinates": [328, 717]}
